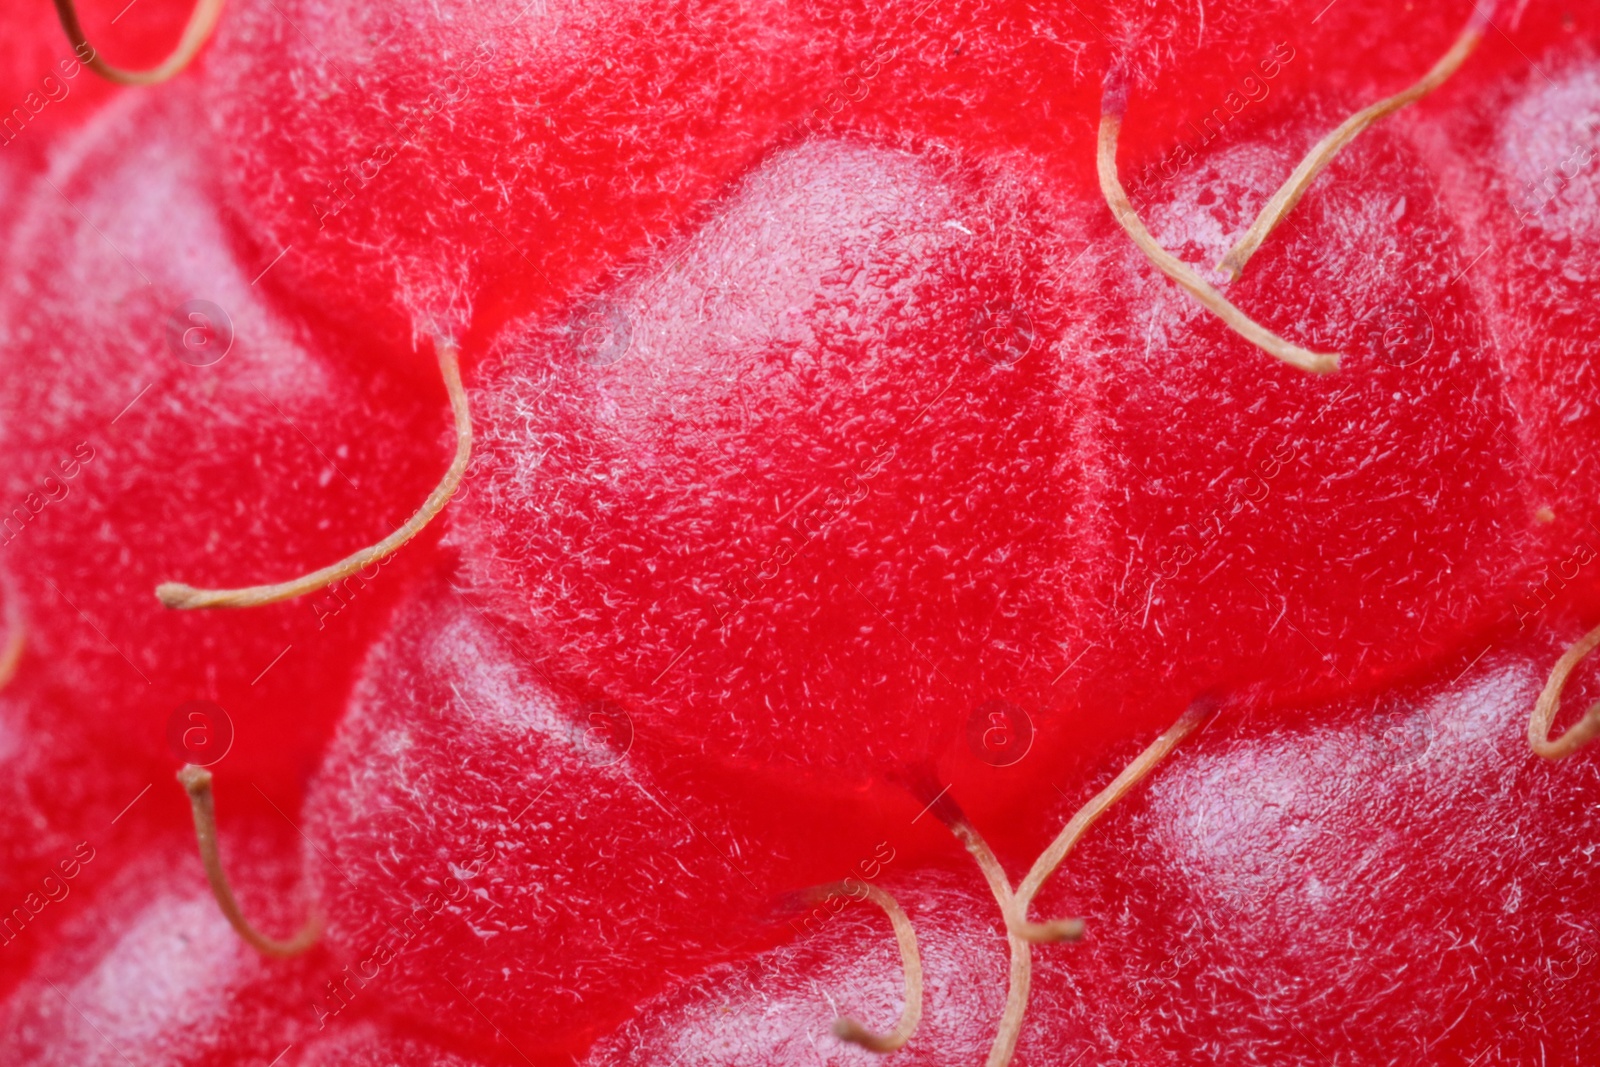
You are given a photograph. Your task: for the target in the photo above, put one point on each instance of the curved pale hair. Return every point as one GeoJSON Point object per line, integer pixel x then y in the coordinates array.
{"type": "Point", "coordinates": [202, 21]}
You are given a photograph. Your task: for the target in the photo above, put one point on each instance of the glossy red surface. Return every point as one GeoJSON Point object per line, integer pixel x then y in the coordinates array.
{"type": "Point", "coordinates": [1401, 881]}
{"type": "Point", "coordinates": [839, 463]}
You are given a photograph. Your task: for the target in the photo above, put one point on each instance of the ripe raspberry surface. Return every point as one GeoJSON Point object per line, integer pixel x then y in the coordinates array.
{"type": "Point", "coordinates": [821, 410]}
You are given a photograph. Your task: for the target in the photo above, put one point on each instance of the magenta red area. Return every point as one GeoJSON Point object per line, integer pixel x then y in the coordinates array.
{"type": "Point", "coordinates": [839, 465]}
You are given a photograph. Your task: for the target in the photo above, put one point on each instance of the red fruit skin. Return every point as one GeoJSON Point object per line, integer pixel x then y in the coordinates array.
{"type": "Point", "coordinates": [453, 208]}
{"type": "Point", "coordinates": [1387, 882]}
{"type": "Point", "coordinates": [1253, 561]}
{"type": "Point", "coordinates": [1143, 1019]}
{"type": "Point", "coordinates": [374, 1045]}
{"type": "Point", "coordinates": [1408, 881]}
{"type": "Point", "coordinates": [1182, 67]}
{"type": "Point", "coordinates": [995, 78]}
{"type": "Point", "coordinates": [513, 151]}
{"type": "Point", "coordinates": [1273, 532]}
{"type": "Point", "coordinates": [147, 971]}
{"type": "Point", "coordinates": [128, 467]}
{"type": "Point", "coordinates": [809, 493]}
{"type": "Point", "coordinates": [128, 453]}
{"type": "Point", "coordinates": [779, 1006]}
{"type": "Point", "coordinates": [469, 845]}
{"type": "Point", "coordinates": [62, 835]}
{"type": "Point", "coordinates": [1521, 162]}
{"type": "Point", "coordinates": [46, 91]}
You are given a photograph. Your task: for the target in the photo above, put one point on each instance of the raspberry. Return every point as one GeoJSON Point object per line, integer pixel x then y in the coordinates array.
{"type": "Point", "coordinates": [132, 465]}
{"type": "Point", "coordinates": [840, 485]}
{"type": "Point", "coordinates": [473, 826]}
{"type": "Point", "coordinates": [831, 414]}
{"type": "Point", "coordinates": [1378, 879]}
